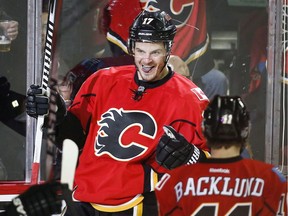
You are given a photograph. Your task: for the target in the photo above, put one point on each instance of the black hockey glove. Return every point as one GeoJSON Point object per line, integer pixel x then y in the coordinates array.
{"type": "Point", "coordinates": [174, 150]}
{"type": "Point", "coordinates": [44, 199]}
{"type": "Point", "coordinates": [38, 103]}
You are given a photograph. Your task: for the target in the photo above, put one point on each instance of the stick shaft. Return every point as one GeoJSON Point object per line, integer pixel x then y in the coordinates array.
{"type": "Point", "coordinates": [49, 49]}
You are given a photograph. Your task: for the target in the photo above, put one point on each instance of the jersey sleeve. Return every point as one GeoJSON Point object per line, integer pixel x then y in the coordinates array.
{"type": "Point", "coordinates": [275, 195]}
{"type": "Point", "coordinates": [189, 122]}
{"type": "Point", "coordinates": [84, 101]}
{"type": "Point", "coordinates": [166, 196]}
{"type": "Point", "coordinates": [191, 128]}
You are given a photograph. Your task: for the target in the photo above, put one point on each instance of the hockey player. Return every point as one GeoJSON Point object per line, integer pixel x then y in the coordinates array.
{"type": "Point", "coordinates": [225, 184]}
{"type": "Point", "coordinates": [191, 42]}
{"type": "Point", "coordinates": [117, 120]}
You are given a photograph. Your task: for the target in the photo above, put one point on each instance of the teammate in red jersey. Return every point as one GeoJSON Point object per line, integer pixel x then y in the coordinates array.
{"type": "Point", "coordinates": [225, 184]}
{"type": "Point", "coordinates": [117, 120]}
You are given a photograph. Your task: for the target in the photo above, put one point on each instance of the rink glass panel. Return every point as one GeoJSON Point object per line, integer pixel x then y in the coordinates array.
{"type": "Point", "coordinates": [13, 66]}
{"type": "Point", "coordinates": [231, 39]}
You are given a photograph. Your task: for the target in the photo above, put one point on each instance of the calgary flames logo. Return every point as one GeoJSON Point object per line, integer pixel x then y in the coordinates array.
{"type": "Point", "coordinates": [179, 10]}
{"type": "Point", "coordinates": [150, 7]}
{"type": "Point", "coordinates": [114, 125]}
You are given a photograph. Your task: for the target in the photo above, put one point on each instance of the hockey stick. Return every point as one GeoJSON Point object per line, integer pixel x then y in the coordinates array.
{"type": "Point", "coordinates": [50, 43]}
{"type": "Point", "coordinates": [70, 153]}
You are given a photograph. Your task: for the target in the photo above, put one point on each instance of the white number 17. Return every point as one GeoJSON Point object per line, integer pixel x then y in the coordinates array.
{"type": "Point", "coordinates": [147, 21]}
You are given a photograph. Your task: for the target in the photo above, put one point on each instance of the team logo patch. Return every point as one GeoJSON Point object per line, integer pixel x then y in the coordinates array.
{"type": "Point", "coordinates": [199, 93]}
{"type": "Point", "coordinates": [150, 7]}
{"type": "Point", "coordinates": [115, 129]}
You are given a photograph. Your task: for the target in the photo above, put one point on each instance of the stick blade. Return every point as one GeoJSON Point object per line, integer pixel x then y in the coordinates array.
{"type": "Point", "coordinates": [70, 154]}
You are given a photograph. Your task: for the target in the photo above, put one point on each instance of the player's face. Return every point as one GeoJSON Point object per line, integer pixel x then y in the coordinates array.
{"type": "Point", "coordinates": [150, 61]}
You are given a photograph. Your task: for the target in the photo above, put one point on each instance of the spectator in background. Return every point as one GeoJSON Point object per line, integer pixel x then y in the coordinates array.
{"type": "Point", "coordinates": [253, 33]}
{"type": "Point", "coordinates": [11, 102]}
{"type": "Point", "coordinates": [177, 64]}
{"type": "Point", "coordinates": [13, 24]}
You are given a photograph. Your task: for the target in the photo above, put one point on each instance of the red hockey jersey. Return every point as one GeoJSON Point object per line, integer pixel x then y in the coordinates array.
{"type": "Point", "coordinates": [233, 186]}
{"type": "Point", "coordinates": [115, 165]}
{"type": "Point", "coordinates": [189, 16]}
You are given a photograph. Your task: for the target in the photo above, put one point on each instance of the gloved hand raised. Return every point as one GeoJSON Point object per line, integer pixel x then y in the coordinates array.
{"type": "Point", "coordinates": [37, 101]}
{"type": "Point", "coordinates": [174, 150]}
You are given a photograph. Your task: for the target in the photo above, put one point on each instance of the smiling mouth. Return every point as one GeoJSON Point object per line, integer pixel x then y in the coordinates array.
{"type": "Point", "coordinates": [147, 69]}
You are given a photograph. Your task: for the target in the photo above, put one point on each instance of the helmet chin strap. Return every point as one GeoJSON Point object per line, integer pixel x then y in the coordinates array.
{"type": "Point", "coordinates": [165, 62]}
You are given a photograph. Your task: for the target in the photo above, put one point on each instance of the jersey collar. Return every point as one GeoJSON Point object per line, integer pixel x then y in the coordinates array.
{"type": "Point", "coordinates": [153, 84]}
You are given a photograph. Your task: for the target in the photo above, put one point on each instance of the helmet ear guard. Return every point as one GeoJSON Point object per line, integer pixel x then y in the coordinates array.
{"type": "Point", "coordinates": [130, 46]}
{"type": "Point", "coordinates": [153, 26]}
{"type": "Point", "coordinates": [226, 119]}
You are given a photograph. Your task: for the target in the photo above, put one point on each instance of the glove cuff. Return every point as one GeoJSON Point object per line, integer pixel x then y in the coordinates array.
{"type": "Point", "coordinates": [15, 208]}
{"type": "Point", "coordinates": [196, 156]}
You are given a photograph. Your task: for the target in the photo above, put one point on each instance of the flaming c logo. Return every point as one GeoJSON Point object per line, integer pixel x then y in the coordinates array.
{"type": "Point", "coordinates": [151, 5]}
{"type": "Point", "coordinates": [179, 10]}
{"type": "Point", "coordinates": [113, 126]}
